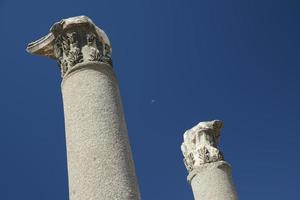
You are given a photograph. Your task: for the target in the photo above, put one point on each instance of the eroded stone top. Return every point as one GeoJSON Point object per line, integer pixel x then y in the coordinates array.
{"type": "Point", "coordinates": [73, 40]}
{"type": "Point", "coordinates": [200, 144]}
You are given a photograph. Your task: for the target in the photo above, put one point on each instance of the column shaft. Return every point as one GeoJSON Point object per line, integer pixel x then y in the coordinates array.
{"type": "Point", "coordinates": [212, 181]}
{"type": "Point", "coordinates": [100, 165]}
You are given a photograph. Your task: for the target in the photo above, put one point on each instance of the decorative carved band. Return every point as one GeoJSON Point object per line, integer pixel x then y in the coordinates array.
{"type": "Point", "coordinates": [200, 144]}
{"type": "Point", "coordinates": [72, 41]}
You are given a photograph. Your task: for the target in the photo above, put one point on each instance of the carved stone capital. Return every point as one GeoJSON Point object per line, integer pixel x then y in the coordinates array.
{"type": "Point", "coordinates": [200, 144]}
{"type": "Point", "coordinates": [72, 41]}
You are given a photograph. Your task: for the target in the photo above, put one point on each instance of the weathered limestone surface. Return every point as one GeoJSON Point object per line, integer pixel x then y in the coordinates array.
{"type": "Point", "coordinates": [209, 175]}
{"type": "Point", "coordinates": [100, 164]}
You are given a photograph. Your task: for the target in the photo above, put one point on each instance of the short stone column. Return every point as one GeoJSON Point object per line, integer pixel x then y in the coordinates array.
{"type": "Point", "coordinates": [100, 164]}
{"type": "Point", "coordinates": [209, 175]}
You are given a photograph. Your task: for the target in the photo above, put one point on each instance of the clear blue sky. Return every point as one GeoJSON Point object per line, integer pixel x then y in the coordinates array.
{"type": "Point", "coordinates": [178, 62]}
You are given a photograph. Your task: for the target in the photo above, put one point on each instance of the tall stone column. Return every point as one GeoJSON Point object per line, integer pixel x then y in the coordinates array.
{"type": "Point", "coordinates": [100, 164]}
{"type": "Point", "coordinates": [209, 175]}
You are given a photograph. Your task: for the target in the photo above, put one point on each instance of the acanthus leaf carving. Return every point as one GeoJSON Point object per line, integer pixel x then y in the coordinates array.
{"type": "Point", "coordinates": [74, 55]}
{"type": "Point", "coordinates": [94, 54]}
{"type": "Point", "coordinates": [203, 155]}
{"type": "Point", "coordinates": [107, 55]}
{"type": "Point", "coordinates": [73, 48]}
